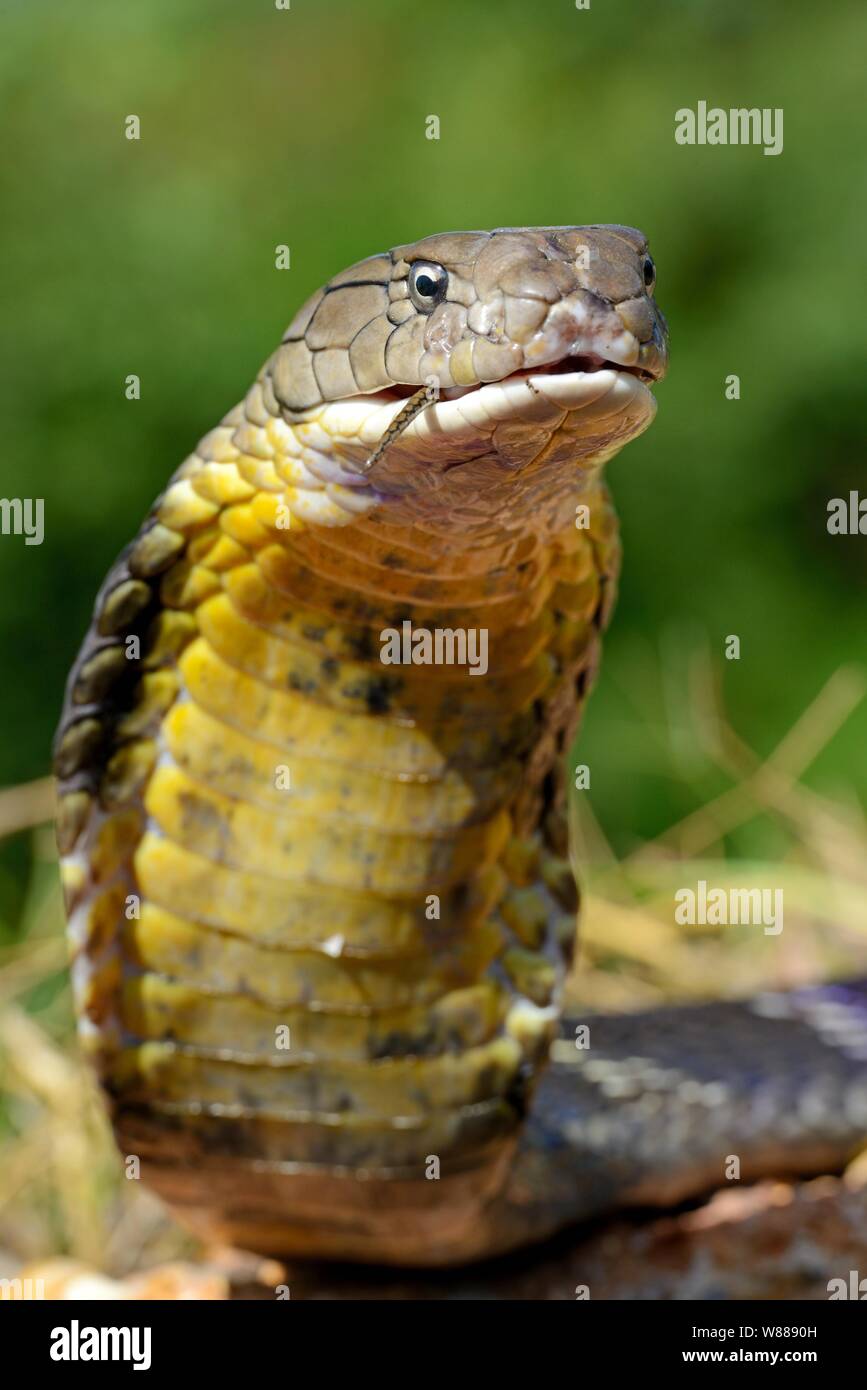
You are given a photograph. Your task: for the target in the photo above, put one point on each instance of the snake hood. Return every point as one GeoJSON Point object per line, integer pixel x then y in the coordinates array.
{"type": "Point", "coordinates": [533, 346]}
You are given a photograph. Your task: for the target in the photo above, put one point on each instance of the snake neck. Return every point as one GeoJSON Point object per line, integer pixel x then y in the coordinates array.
{"type": "Point", "coordinates": [317, 840]}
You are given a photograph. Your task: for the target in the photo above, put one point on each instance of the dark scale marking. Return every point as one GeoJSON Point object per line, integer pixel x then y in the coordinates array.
{"type": "Point", "coordinates": [363, 644]}
{"type": "Point", "coordinates": [304, 685]}
{"type": "Point", "coordinates": [378, 695]}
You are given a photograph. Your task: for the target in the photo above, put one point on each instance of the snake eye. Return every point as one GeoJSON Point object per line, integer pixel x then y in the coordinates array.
{"type": "Point", "coordinates": [428, 283]}
{"type": "Point", "coordinates": [649, 272]}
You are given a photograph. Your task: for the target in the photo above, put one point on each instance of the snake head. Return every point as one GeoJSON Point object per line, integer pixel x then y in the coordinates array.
{"type": "Point", "coordinates": [520, 336]}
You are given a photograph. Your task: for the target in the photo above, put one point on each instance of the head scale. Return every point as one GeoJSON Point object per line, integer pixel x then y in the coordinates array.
{"type": "Point", "coordinates": [463, 308]}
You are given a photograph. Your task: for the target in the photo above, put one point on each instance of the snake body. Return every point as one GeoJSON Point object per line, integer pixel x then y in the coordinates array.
{"type": "Point", "coordinates": [320, 906]}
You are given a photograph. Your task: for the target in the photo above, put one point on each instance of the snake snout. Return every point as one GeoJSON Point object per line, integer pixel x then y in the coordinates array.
{"type": "Point", "coordinates": [584, 332]}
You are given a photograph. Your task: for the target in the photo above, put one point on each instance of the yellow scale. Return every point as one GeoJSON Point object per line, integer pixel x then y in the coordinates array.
{"type": "Point", "coordinates": [291, 840]}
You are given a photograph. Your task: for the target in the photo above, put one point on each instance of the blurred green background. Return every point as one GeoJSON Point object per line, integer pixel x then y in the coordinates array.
{"type": "Point", "coordinates": [307, 127]}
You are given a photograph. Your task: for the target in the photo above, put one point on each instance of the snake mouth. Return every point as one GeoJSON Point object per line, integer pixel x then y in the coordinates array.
{"type": "Point", "coordinates": [587, 404]}
{"type": "Point", "coordinates": [581, 405]}
{"type": "Point", "coordinates": [588, 362]}
{"type": "Point", "coordinates": [585, 364]}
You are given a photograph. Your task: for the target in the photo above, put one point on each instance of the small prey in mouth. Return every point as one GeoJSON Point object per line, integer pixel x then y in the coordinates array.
{"type": "Point", "coordinates": [417, 401]}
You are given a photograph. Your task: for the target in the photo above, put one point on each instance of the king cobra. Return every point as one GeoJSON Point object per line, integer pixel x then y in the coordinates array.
{"type": "Point", "coordinates": [320, 903]}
